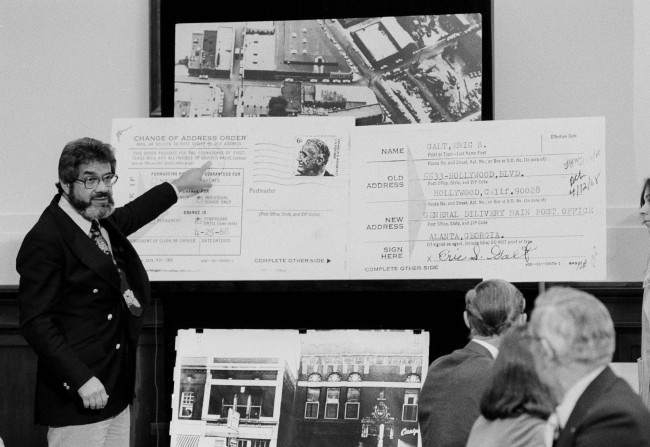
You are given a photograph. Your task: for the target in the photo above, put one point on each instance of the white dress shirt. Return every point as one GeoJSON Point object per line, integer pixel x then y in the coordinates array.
{"type": "Point", "coordinates": [84, 223]}
{"type": "Point", "coordinates": [494, 351]}
{"type": "Point", "coordinates": [565, 408]}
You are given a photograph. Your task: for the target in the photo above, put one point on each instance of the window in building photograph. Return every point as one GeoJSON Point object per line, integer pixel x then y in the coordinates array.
{"type": "Point", "coordinates": [221, 399]}
{"type": "Point", "coordinates": [410, 408]}
{"type": "Point", "coordinates": [354, 377]}
{"type": "Point", "coordinates": [311, 405]}
{"type": "Point", "coordinates": [352, 404]}
{"type": "Point", "coordinates": [314, 377]}
{"type": "Point", "coordinates": [243, 403]}
{"type": "Point", "coordinates": [253, 443]}
{"type": "Point", "coordinates": [251, 402]}
{"type": "Point", "coordinates": [332, 403]}
{"type": "Point", "coordinates": [412, 378]}
{"type": "Point", "coordinates": [187, 404]}
{"type": "Point", "coordinates": [239, 374]}
{"type": "Point", "coordinates": [334, 377]}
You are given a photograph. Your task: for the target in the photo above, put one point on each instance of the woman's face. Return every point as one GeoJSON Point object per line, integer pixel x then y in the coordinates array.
{"type": "Point", "coordinates": [644, 212]}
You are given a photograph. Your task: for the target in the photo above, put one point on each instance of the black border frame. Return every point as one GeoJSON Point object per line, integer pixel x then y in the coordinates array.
{"type": "Point", "coordinates": [367, 304]}
{"type": "Point", "coordinates": [165, 14]}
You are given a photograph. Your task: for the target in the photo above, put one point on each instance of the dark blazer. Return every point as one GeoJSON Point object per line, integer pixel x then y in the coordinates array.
{"type": "Point", "coordinates": [450, 397]}
{"type": "Point", "coordinates": [608, 414]}
{"type": "Point", "coordinates": [72, 312]}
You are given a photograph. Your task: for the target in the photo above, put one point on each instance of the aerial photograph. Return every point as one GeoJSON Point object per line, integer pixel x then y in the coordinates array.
{"type": "Point", "coordinates": [380, 70]}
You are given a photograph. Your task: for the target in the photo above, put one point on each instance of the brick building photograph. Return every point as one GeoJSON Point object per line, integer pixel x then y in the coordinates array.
{"type": "Point", "coordinates": [359, 388]}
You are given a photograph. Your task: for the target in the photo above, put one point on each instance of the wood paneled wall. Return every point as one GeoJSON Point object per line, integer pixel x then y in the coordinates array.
{"type": "Point", "coordinates": [230, 305]}
{"type": "Point", "coordinates": [18, 377]}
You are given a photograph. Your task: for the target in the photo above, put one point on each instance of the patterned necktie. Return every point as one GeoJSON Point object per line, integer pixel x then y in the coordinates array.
{"type": "Point", "coordinates": [131, 301]}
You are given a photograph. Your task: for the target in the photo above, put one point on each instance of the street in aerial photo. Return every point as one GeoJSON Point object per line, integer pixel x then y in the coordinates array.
{"type": "Point", "coordinates": [407, 69]}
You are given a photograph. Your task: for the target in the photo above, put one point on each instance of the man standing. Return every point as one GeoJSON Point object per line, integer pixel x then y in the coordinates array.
{"type": "Point", "coordinates": [450, 396]}
{"type": "Point", "coordinates": [81, 296]}
{"type": "Point", "coordinates": [313, 158]}
{"type": "Point", "coordinates": [575, 343]}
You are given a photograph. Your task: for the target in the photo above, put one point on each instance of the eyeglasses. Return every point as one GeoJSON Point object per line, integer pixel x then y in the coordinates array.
{"type": "Point", "coordinates": [93, 182]}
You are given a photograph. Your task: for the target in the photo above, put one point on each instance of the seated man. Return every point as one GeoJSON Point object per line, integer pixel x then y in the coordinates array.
{"type": "Point", "coordinates": [449, 400]}
{"type": "Point", "coordinates": [575, 343]}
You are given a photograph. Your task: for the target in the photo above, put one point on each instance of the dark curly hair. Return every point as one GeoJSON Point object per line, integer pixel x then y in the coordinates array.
{"type": "Point", "coordinates": [82, 151]}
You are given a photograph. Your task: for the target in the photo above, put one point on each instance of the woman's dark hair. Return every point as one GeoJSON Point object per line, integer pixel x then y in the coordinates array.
{"type": "Point", "coordinates": [646, 185]}
{"type": "Point", "coordinates": [515, 387]}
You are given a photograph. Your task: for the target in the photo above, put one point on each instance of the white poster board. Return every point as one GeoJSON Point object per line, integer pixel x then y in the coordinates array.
{"type": "Point", "coordinates": [520, 200]}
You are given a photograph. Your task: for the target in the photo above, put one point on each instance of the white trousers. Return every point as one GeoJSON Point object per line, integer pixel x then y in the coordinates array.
{"type": "Point", "coordinates": [112, 432]}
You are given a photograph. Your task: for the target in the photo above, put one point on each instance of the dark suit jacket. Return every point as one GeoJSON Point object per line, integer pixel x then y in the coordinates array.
{"type": "Point", "coordinates": [608, 414]}
{"type": "Point", "coordinates": [450, 396]}
{"type": "Point", "coordinates": [72, 312]}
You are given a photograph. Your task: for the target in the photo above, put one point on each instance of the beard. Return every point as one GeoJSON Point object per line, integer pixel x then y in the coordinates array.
{"type": "Point", "coordinates": [90, 210]}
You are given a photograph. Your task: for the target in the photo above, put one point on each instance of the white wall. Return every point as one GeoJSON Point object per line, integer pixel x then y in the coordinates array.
{"type": "Point", "coordinates": [641, 122]}
{"type": "Point", "coordinates": [558, 58]}
{"type": "Point", "coordinates": [69, 67]}
{"type": "Point", "coordinates": [641, 118]}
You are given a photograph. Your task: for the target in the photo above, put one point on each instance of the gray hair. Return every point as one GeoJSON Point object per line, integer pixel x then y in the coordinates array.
{"type": "Point", "coordinates": [577, 326]}
{"type": "Point", "coordinates": [493, 306]}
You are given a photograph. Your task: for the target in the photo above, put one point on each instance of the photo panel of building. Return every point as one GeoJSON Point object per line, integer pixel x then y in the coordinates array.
{"type": "Point", "coordinates": [405, 69]}
{"type": "Point", "coordinates": [269, 388]}
{"type": "Point", "coordinates": [359, 388]}
{"type": "Point", "coordinates": [234, 388]}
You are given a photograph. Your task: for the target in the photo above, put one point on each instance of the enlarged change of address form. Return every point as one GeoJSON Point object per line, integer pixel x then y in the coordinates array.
{"type": "Point", "coordinates": [317, 198]}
